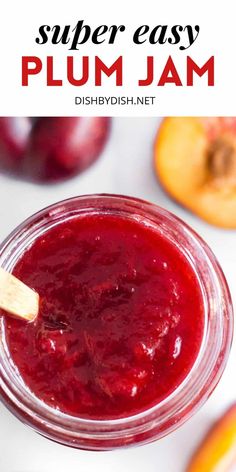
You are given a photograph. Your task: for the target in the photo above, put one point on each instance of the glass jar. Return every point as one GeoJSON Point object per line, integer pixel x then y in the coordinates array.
{"type": "Point", "coordinates": [204, 375]}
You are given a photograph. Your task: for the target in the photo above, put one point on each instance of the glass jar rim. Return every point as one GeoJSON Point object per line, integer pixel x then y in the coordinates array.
{"type": "Point", "coordinates": [206, 370]}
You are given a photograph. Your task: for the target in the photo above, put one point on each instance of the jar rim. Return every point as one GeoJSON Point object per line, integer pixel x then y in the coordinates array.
{"type": "Point", "coordinates": [209, 364]}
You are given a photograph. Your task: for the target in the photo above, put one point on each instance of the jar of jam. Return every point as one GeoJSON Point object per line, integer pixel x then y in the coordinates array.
{"type": "Point", "coordinates": [134, 327]}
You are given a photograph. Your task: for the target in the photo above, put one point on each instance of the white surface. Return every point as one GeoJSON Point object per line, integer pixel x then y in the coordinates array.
{"type": "Point", "coordinates": [125, 167]}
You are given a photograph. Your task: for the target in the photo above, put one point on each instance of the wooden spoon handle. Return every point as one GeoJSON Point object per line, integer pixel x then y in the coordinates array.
{"type": "Point", "coordinates": [16, 298]}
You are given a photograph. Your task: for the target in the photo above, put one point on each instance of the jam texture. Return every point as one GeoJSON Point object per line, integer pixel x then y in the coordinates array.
{"type": "Point", "coordinates": [120, 321]}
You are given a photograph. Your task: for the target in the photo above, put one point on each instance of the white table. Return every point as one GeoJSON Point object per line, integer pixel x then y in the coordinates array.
{"type": "Point", "coordinates": [126, 168]}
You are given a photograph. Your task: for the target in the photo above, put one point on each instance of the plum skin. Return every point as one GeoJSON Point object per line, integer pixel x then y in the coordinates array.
{"type": "Point", "coordinates": [14, 134]}
{"type": "Point", "coordinates": [51, 149]}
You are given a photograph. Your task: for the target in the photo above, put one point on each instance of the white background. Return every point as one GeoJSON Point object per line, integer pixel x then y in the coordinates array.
{"type": "Point", "coordinates": [19, 23]}
{"type": "Point", "coordinates": [125, 167]}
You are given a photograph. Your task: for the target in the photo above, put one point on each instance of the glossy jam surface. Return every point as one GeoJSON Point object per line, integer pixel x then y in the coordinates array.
{"type": "Point", "coordinates": [120, 322]}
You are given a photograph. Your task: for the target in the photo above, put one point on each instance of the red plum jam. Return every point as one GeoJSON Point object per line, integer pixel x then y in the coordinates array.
{"type": "Point", "coordinates": [120, 321]}
{"type": "Point", "coordinates": [134, 326]}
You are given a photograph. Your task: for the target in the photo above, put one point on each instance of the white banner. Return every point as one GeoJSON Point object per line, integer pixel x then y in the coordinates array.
{"type": "Point", "coordinates": [120, 59]}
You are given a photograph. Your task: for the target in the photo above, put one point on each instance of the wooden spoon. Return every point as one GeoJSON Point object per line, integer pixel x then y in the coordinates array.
{"type": "Point", "coordinates": [16, 298]}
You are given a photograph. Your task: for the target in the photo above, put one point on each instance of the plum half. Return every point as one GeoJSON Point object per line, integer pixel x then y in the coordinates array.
{"type": "Point", "coordinates": [195, 161]}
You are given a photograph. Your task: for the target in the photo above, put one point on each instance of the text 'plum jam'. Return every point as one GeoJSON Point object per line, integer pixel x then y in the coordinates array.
{"type": "Point", "coordinates": [121, 317]}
